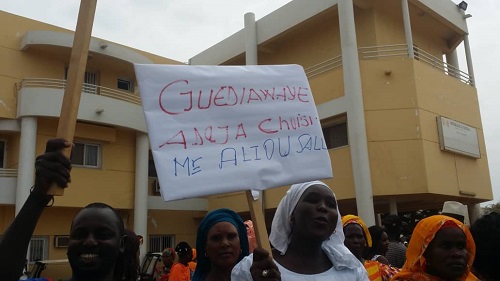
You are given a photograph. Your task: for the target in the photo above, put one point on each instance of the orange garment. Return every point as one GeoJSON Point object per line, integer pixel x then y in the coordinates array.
{"type": "Point", "coordinates": [378, 271]}
{"type": "Point", "coordinates": [192, 263]}
{"type": "Point", "coordinates": [347, 219]}
{"type": "Point", "coordinates": [179, 272]}
{"type": "Point", "coordinates": [423, 234]}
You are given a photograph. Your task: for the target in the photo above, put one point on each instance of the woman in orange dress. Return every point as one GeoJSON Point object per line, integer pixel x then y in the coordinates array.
{"type": "Point", "coordinates": [441, 248]}
{"type": "Point", "coordinates": [357, 239]}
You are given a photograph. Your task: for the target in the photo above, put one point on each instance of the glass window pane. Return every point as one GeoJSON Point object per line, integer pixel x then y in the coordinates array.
{"type": "Point", "coordinates": [91, 155]}
{"type": "Point", "coordinates": [123, 84]}
{"type": "Point", "coordinates": [77, 154]}
{"type": "Point", "coordinates": [2, 155]}
{"type": "Point", "coordinates": [336, 135]}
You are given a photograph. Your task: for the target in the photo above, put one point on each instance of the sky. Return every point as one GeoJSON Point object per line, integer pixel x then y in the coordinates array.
{"type": "Point", "coordinates": [180, 29]}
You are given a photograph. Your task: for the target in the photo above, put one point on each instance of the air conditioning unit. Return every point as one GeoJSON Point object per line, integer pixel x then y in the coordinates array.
{"type": "Point", "coordinates": [61, 241]}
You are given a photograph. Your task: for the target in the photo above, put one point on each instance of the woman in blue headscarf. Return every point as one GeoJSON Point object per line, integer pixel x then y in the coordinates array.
{"type": "Point", "coordinates": [221, 243]}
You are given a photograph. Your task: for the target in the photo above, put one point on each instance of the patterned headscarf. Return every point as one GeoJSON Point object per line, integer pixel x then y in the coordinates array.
{"type": "Point", "coordinates": [348, 219]}
{"type": "Point", "coordinates": [423, 234]}
{"type": "Point", "coordinates": [280, 236]}
{"type": "Point", "coordinates": [212, 218]}
{"type": "Point", "coordinates": [169, 252]}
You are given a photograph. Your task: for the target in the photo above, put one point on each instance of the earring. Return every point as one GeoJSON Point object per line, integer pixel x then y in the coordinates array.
{"type": "Point", "coordinates": [206, 255]}
{"type": "Point", "coordinates": [334, 231]}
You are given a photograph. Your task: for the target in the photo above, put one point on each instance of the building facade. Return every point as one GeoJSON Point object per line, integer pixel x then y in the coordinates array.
{"type": "Point", "coordinates": [111, 155]}
{"type": "Point", "coordinates": [382, 73]}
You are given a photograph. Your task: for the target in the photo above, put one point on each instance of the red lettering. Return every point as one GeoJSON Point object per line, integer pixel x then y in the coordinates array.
{"type": "Point", "coordinates": [267, 94]}
{"type": "Point", "coordinates": [301, 95]}
{"type": "Point", "coordinates": [198, 137]}
{"type": "Point", "coordinates": [281, 95]}
{"type": "Point", "coordinates": [242, 129]}
{"type": "Point", "coordinates": [267, 131]}
{"type": "Point", "coordinates": [182, 141]}
{"type": "Point", "coordinates": [160, 98]}
{"type": "Point", "coordinates": [292, 95]}
{"type": "Point", "coordinates": [209, 100]}
{"type": "Point", "coordinates": [253, 96]}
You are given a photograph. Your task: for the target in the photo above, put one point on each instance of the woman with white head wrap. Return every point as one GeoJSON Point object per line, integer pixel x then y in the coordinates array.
{"type": "Point", "coordinates": [308, 240]}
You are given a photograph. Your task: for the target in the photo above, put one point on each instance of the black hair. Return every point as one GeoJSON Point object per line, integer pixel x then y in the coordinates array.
{"type": "Point", "coordinates": [376, 234]}
{"type": "Point", "coordinates": [127, 262]}
{"type": "Point", "coordinates": [119, 220]}
{"type": "Point", "coordinates": [183, 249]}
{"type": "Point", "coordinates": [486, 233]}
{"type": "Point", "coordinates": [393, 226]}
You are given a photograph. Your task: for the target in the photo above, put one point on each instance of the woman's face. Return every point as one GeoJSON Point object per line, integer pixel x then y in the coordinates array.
{"type": "Point", "coordinates": [223, 245]}
{"type": "Point", "coordinates": [446, 256]}
{"type": "Point", "coordinates": [355, 239]}
{"type": "Point", "coordinates": [315, 215]}
{"type": "Point", "coordinates": [167, 260]}
{"type": "Point", "coordinates": [384, 243]}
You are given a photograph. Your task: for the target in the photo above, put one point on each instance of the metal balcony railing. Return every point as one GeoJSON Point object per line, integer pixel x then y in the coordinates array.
{"type": "Point", "coordinates": [383, 51]}
{"type": "Point", "coordinates": [324, 66]}
{"type": "Point", "coordinates": [86, 88]}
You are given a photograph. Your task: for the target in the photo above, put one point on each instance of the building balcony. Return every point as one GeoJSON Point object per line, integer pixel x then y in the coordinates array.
{"type": "Point", "coordinates": [98, 104]}
{"type": "Point", "coordinates": [8, 182]}
{"type": "Point", "coordinates": [391, 51]}
{"type": "Point", "coordinates": [401, 50]}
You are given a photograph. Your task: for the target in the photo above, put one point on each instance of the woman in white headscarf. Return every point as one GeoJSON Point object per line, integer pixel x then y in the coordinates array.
{"type": "Point", "coordinates": [308, 241]}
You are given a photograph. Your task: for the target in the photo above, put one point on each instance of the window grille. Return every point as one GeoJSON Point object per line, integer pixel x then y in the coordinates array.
{"type": "Point", "coordinates": [157, 243]}
{"type": "Point", "coordinates": [39, 248]}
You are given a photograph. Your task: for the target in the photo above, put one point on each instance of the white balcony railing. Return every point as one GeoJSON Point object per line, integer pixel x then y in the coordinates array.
{"type": "Point", "coordinates": [383, 51]}
{"type": "Point", "coordinates": [8, 173]}
{"type": "Point", "coordinates": [86, 88]}
{"type": "Point", "coordinates": [324, 66]}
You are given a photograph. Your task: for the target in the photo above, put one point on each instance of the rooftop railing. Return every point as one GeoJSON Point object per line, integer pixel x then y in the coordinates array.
{"type": "Point", "coordinates": [383, 51]}
{"type": "Point", "coordinates": [323, 66]}
{"type": "Point", "coordinates": [86, 88]}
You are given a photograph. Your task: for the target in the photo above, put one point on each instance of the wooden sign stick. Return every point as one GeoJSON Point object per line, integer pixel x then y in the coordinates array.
{"type": "Point", "coordinates": [259, 222]}
{"type": "Point", "coordinates": [74, 82]}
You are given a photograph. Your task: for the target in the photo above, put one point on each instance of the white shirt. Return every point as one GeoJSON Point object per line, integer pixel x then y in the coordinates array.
{"type": "Point", "coordinates": [241, 272]}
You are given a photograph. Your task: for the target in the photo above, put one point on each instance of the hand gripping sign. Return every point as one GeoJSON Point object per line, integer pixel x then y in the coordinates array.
{"type": "Point", "coordinates": [219, 129]}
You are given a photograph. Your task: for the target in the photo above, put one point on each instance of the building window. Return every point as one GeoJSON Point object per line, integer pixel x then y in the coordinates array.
{"type": "Point", "coordinates": [335, 131]}
{"type": "Point", "coordinates": [124, 84]}
{"type": "Point", "coordinates": [3, 146]}
{"type": "Point", "coordinates": [39, 248]}
{"type": "Point", "coordinates": [85, 154]}
{"type": "Point", "coordinates": [89, 81]}
{"type": "Point", "coordinates": [157, 243]}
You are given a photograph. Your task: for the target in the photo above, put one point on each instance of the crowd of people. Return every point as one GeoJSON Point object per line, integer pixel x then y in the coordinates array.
{"type": "Point", "coordinates": [310, 241]}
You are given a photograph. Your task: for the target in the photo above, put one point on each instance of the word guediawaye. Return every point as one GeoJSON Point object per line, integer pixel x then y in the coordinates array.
{"type": "Point", "coordinates": [239, 156]}
{"type": "Point", "coordinates": [223, 134]}
{"type": "Point", "coordinates": [177, 97]}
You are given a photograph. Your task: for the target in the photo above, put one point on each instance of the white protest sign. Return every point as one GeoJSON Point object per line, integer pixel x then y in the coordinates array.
{"type": "Point", "coordinates": [219, 129]}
